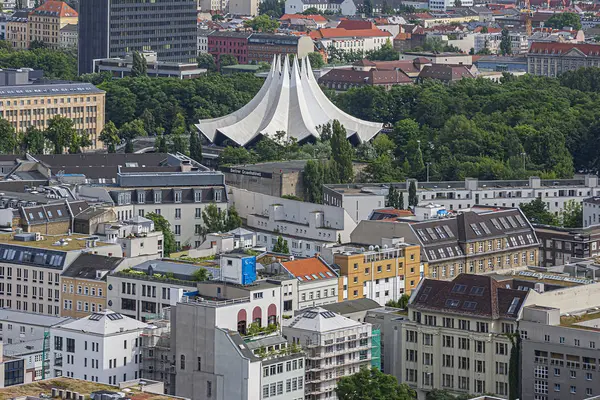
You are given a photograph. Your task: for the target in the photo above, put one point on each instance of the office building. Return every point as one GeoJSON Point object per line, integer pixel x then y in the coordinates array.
{"type": "Point", "coordinates": [560, 246]}
{"type": "Point", "coordinates": [455, 336]}
{"type": "Point", "coordinates": [591, 211]}
{"type": "Point", "coordinates": [84, 286]}
{"type": "Point", "coordinates": [120, 67]}
{"type": "Point", "coordinates": [102, 347]}
{"type": "Point", "coordinates": [476, 241]}
{"type": "Point", "coordinates": [381, 273]}
{"type": "Point", "coordinates": [335, 347]}
{"type": "Point", "coordinates": [114, 28]}
{"type": "Point", "coordinates": [552, 59]}
{"type": "Point", "coordinates": [46, 22]}
{"type": "Point", "coordinates": [25, 105]}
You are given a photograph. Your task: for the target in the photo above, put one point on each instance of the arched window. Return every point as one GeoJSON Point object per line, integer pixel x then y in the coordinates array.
{"type": "Point", "coordinates": [257, 315]}
{"type": "Point", "coordinates": [272, 314]}
{"type": "Point", "coordinates": [241, 325]}
{"type": "Point", "coordinates": [182, 362]}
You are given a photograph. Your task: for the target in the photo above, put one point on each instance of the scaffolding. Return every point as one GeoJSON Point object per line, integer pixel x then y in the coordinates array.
{"type": "Point", "coordinates": [376, 348]}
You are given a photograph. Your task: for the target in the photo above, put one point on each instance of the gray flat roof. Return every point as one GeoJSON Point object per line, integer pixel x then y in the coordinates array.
{"type": "Point", "coordinates": [20, 317]}
{"type": "Point", "coordinates": [178, 268]}
{"type": "Point", "coordinates": [351, 306]}
{"type": "Point", "coordinates": [28, 347]}
{"type": "Point", "coordinates": [48, 90]}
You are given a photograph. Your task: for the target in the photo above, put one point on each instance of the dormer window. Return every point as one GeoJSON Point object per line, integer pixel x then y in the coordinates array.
{"type": "Point", "coordinates": [157, 196]}
{"type": "Point", "coordinates": [178, 196]}
{"type": "Point", "coordinates": [141, 197]}
{"type": "Point", "coordinates": [198, 196]}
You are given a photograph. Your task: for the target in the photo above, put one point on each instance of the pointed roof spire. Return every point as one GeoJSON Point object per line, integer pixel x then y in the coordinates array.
{"type": "Point", "coordinates": [308, 68]}
{"type": "Point", "coordinates": [295, 71]}
{"type": "Point", "coordinates": [272, 70]}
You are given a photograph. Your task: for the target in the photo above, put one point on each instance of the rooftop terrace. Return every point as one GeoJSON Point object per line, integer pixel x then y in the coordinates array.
{"type": "Point", "coordinates": [67, 242]}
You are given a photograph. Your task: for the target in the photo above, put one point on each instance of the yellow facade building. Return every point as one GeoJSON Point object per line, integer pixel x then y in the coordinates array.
{"type": "Point", "coordinates": [83, 284]}
{"type": "Point", "coordinates": [17, 30]}
{"type": "Point", "coordinates": [378, 273]}
{"type": "Point", "coordinates": [34, 105]}
{"type": "Point", "coordinates": [46, 21]}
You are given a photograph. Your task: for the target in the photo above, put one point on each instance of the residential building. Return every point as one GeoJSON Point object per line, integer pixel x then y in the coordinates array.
{"type": "Point", "coordinates": [69, 35]}
{"type": "Point", "coordinates": [443, 5]}
{"type": "Point", "coordinates": [560, 246]}
{"type": "Point", "coordinates": [145, 290]}
{"type": "Point", "coordinates": [22, 327]}
{"type": "Point", "coordinates": [454, 195]}
{"type": "Point", "coordinates": [344, 7]}
{"type": "Point", "coordinates": [455, 336]}
{"type": "Point", "coordinates": [83, 283]}
{"type": "Point", "coordinates": [243, 7]}
{"type": "Point", "coordinates": [24, 106]}
{"type": "Point", "coordinates": [120, 67]}
{"type": "Point", "coordinates": [12, 369]}
{"type": "Point", "coordinates": [299, 22]}
{"type": "Point", "coordinates": [363, 73]}
{"type": "Point", "coordinates": [358, 40]}
{"type": "Point", "coordinates": [335, 346]}
{"type": "Point", "coordinates": [307, 282]}
{"type": "Point", "coordinates": [306, 227]}
{"type": "Point", "coordinates": [112, 29]}
{"type": "Point", "coordinates": [53, 218]}
{"type": "Point", "coordinates": [445, 73]}
{"type": "Point", "coordinates": [552, 59]}
{"type": "Point", "coordinates": [491, 41]}
{"type": "Point", "coordinates": [232, 43]}
{"type": "Point", "coordinates": [32, 352]}
{"type": "Point", "coordinates": [591, 211]}
{"type": "Point", "coordinates": [32, 265]}
{"type": "Point", "coordinates": [439, 58]}
{"type": "Point", "coordinates": [46, 21]}
{"type": "Point", "coordinates": [409, 37]}
{"type": "Point", "coordinates": [262, 47]}
{"type": "Point", "coordinates": [180, 197]}
{"type": "Point", "coordinates": [380, 273]}
{"type": "Point", "coordinates": [102, 347]}
{"type": "Point", "coordinates": [137, 237]}
{"type": "Point", "coordinates": [480, 240]}
{"type": "Point", "coordinates": [17, 30]}
{"type": "Point", "coordinates": [203, 33]}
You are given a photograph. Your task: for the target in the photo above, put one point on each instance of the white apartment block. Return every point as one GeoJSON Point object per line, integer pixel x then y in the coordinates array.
{"type": "Point", "coordinates": [307, 227]}
{"type": "Point", "coordinates": [19, 326]}
{"type": "Point", "coordinates": [344, 7]}
{"type": "Point", "coordinates": [335, 346]}
{"type": "Point", "coordinates": [454, 337]}
{"type": "Point", "coordinates": [591, 211]}
{"type": "Point", "coordinates": [102, 347]}
{"type": "Point", "coordinates": [492, 41]}
{"type": "Point", "coordinates": [180, 197]}
{"type": "Point", "coordinates": [443, 5]}
{"type": "Point", "coordinates": [455, 195]}
{"type": "Point", "coordinates": [31, 265]}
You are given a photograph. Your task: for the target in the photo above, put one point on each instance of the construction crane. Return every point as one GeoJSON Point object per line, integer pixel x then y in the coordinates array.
{"type": "Point", "coordinates": [528, 13]}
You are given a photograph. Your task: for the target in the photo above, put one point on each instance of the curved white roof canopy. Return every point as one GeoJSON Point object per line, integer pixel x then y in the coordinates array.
{"type": "Point", "coordinates": [290, 100]}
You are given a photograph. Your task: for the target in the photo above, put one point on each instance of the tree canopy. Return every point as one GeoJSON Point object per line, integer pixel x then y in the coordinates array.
{"type": "Point", "coordinates": [372, 384]}
{"type": "Point", "coordinates": [562, 20]}
{"type": "Point", "coordinates": [262, 23]}
{"type": "Point", "coordinates": [161, 224]}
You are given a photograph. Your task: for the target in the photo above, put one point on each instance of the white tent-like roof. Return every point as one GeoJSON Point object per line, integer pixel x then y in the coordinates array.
{"type": "Point", "coordinates": [291, 101]}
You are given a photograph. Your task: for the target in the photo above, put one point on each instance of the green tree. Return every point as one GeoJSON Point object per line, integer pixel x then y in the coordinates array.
{"type": "Point", "coordinates": [195, 147]}
{"type": "Point", "coordinates": [505, 46]}
{"type": "Point", "coordinates": [213, 218]}
{"type": "Point", "coordinates": [312, 179]}
{"type": "Point", "coordinates": [37, 44]}
{"type": "Point", "coordinates": [312, 11]}
{"type": "Point", "coordinates": [514, 367]}
{"type": "Point", "coordinates": [395, 198]}
{"type": "Point", "coordinates": [149, 122]}
{"type": "Point", "coordinates": [341, 153]}
{"type": "Point", "coordinates": [233, 219]}
{"type": "Point", "coordinates": [161, 224]}
{"type": "Point", "coordinates": [316, 60]}
{"type": "Point", "coordinates": [235, 155]}
{"type": "Point", "coordinates": [413, 200]}
{"type": "Point", "coordinates": [8, 137]}
{"type": "Point", "coordinates": [160, 144]}
{"type": "Point", "coordinates": [536, 212]}
{"type": "Point", "coordinates": [32, 141]}
{"type": "Point", "coordinates": [131, 130]}
{"type": "Point", "coordinates": [373, 384]}
{"type": "Point", "coordinates": [262, 23]}
{"type": "Point", "coordinates": [200, 275]}
{"type": "Point", "coordinates": [227, 59]}
{"type": "Point", "coordinates": [562, 20]}
{"type": "Point", "coordinates": [110, 137]}
{"type": "Point", "coordinates": [139, 67]}
{"type": "Point", "coordinates": [60, 133]}
{"type": "Point", "coordinates": [384, 53]}
{"type": "Point", "coordinates": [572, 214]}
{"type": "Point", "coordinates": [206, 61]}
{"type": "Point", "coordinates": [281, 246]}
{"type": "Point", "coordinates": [272, 8]}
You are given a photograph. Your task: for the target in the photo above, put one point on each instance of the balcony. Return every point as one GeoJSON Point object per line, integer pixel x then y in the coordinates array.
{"type": "Point", "coordinates": [58, 362]}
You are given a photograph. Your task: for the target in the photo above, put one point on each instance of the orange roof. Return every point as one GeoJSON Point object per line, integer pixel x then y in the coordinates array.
{"type": "Point", "coordinates": [316, 18]}
{"type": "Point", "coordinates": [55, 9]}
{"type": "Point", "coordinates": [326, 33]}
{"type": "Point", "coordinates": [489, 30]}
{"type": "Point", "coordinates": [309, 269]}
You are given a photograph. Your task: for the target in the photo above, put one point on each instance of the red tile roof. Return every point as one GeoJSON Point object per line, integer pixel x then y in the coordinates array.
{"type": "Point", "coordinates": [316, 18]}
{"type": "Point", "coordinates": [489, 30]}
{"type": "Point", "coordinates": [561, 48]}
{"type": "Point", "coordinates": [55, 9]}
{"type": "Point", "coordinates": [327, 33]}
{"type": "Point", "coordinates": [355, 24]}
{"type": "Point", "coordinates": [309, 269]}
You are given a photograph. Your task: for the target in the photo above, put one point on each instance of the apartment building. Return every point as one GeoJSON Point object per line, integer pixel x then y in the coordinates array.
{"type": "Point", "coordinates": [113, 28]}
{"type": "Point", "coordinates": [552, 59]}
{"type": "Point", "coordinates": [84, 288]}
{"type": "Point", "coordinates": [17, 30]}
{"type": "Point", "coordinates": [380, 273]}
{"type": "Point", "coordinates": [591, 211]}
{"type": "Point", "coordinates": [102, 347]}
{"type": "Point", "coordinates": [21, 327]}
{"type": "Point", "coordinates": [144, 290]}
{"type": "Point", "coordinates": [69, 35]}
{"type": "Point", "coordinates": [344, 7]}
{"type": "Point", "coordinates": [559, 246]}
{"type": "Point", "coordinates": [359, 40]}
{"type": "Point", "coordinates": [32, 265]}
{"type": "Point", "coordinates": [180, 197]}
{"type": "Point", "coordinates": [262, 47]}
{"type": "Point", "coordinates": [480, 240]}
{"type": "Point", "coordinates": [136, 236]}
{"type": "Point", "coordinates": [35, 358]}
{"type": "Point", "coordinates": [46, 21]}
{"type": "Point", "coordinates": [12, 369]}
{"type": "Point", "coordinates": [335, 346]}
{"type": "Point", "coordinates": [307, 227]}
{"type": "Point", "coordinates": [25, 105]}
{"type": "Point", "coordinates": [491, 41]}
{"type": "Point", "coordinates": [455, 195]}
{"type": "Point", "coordinates": [455, 336]}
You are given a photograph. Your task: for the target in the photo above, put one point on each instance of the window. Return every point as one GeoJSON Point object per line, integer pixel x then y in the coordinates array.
{"type": "Point", "coordinates": [479, 346]}
{"type": "Point", "coordinates": [182, 362]}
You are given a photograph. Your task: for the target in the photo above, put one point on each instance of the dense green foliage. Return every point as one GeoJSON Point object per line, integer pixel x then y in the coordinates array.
{"type": "Point", "coordinates": [161, 224]}
{"type": "Point", "coordinates": [207, 61]}
{"type": "Point", "coordinates": [139, 66]}
{"type": "Point", "coordinates": [56, 64]}
{"type": "Point", "coordinates": [281, 246]}
{"type": "Point", "coordinates": [372, 384]}
{"type": "Point", "coordinates": [272, 8]}
{"type": "Point", "coordinates": [561, 20]}
{"type": "Point", "coordinates": [262, 23]}
{"type": "Point", "coordinates": [316, 60]}
{"type": "Point", "coordinates": [384, 53]}
{"type": "Point", "coordinates": [216, 220]}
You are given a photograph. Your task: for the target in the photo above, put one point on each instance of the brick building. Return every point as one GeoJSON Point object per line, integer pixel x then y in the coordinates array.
{"type": "Point", "coordinates": [233, 43]}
